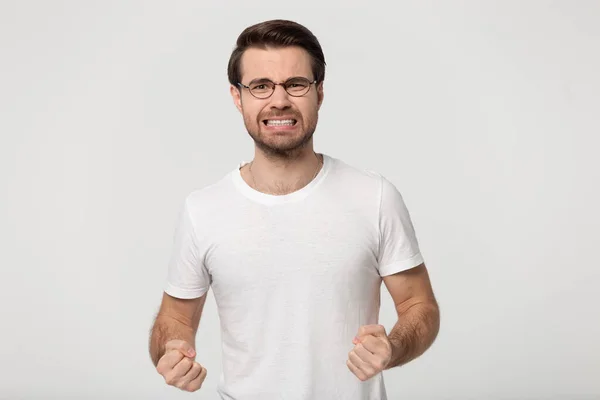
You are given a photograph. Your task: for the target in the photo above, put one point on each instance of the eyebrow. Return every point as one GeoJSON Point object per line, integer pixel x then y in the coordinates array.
{"type": "Point", "coordinates": [262, 80]}
{"type": "Point", "coordinates": [259, 80]}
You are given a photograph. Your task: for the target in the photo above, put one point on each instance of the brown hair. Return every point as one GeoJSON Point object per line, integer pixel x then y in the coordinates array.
{"type": "Point", "coordinates": [276, 33]}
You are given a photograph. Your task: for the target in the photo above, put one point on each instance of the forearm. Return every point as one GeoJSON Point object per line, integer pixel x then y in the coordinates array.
{"type": "Point", "coordinates": [168, 328]}
{"type": "Point", "coordinates": [415, 331]}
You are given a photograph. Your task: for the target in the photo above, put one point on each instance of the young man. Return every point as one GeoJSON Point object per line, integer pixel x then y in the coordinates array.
{"type": "Point", "coordinates": [295, 245]}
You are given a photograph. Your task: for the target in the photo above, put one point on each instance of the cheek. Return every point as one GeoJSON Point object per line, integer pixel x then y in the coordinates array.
{"type": "Point", "coordinates": [306, 108]}
{"type": "Point", "coordinates": [309, 110]}
{"type": "Point", "coordinates": [251, 114]}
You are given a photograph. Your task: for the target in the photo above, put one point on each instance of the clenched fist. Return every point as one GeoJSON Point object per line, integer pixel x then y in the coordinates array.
{"type": "Point", "coordinates": [178, 367]}
{"type": "Point", "coordinates": [371, 353]}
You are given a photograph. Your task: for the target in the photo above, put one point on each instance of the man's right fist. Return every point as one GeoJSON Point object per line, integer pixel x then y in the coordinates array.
{"type": "Point", "coordinates": [178, 367]}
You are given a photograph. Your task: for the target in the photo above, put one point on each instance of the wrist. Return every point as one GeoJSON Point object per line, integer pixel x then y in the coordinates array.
{"type": "Point", "coordinates": [396, 353]}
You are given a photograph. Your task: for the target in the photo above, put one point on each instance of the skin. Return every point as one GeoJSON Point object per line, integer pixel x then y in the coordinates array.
{"type": "Point", "coordinates": [172, 342]}
{"type": "Point", "coordinates": [414, 332]}
{"type": "Point", "coordinates": [284, 159]}
{"type": "Point", "coordinates": [284, 162]}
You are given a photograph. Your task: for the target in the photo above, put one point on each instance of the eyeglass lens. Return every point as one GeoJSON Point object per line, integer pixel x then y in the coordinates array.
{"type": "Point", "coordinates": [294, 86]}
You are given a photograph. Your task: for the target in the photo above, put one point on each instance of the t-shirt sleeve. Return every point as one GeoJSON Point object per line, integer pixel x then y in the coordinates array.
{"type": "Point", "coordinates": [187, 276]}
{"type": "Point", "coordinates": [398, 245]}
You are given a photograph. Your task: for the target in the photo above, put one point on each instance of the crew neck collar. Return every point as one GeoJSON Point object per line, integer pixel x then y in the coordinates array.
{"type": "Point", "coordinates": [272, 199]}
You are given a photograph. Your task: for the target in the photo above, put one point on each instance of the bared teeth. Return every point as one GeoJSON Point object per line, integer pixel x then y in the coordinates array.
{"type": "Point", "coordinates": [280, 122]}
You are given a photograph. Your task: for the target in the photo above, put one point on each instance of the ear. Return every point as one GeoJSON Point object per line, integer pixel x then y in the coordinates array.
{"type": "Point", "coordinates": [320, 95]}
{"type": "Point", "coordinates": [237, 97]}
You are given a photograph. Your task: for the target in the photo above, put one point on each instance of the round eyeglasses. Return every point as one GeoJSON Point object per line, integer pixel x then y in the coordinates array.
{"type": "Point", "coordinates": [264, 88]}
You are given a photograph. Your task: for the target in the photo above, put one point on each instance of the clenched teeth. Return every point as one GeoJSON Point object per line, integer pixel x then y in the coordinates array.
{"type": "Point", "coordinates": [280, 122]}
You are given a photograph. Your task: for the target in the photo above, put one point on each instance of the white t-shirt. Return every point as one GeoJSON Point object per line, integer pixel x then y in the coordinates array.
{"type": "Point", "coordinates": [294, 277]}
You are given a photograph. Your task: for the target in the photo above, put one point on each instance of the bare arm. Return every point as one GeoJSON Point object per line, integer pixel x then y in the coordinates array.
{"type": "Point", "coordinates": [176, 319]}
{"type": "Point", "coordinates": [418, 314]}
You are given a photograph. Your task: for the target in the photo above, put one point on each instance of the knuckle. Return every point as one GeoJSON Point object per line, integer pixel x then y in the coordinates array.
{"type": "Point", "coordinates": [196, 369]}
{"type": "Point", "coordinates": [169, 380]}
{"type": "Point", "coordinates": [186, 362]}
{"type": "Point", "coordinates": [185, 388]}
{"type": "Point", "coordinates": [172, 379]}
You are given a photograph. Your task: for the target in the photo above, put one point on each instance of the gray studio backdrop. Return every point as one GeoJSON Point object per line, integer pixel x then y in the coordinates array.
{"type": "Point", "coordinates": [484, 114]}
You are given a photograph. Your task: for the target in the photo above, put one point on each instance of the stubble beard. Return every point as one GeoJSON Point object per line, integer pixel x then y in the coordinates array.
{"type": "Point", "coordinates": [284, 149]}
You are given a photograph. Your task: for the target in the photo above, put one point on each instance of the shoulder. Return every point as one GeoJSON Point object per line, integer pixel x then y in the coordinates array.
{"type": "Point", "coordinates": [347, 173]}
{"type": "Point", "coordinates": [365, 181]}
{"type": "Point", "coordinates": [212, 197]}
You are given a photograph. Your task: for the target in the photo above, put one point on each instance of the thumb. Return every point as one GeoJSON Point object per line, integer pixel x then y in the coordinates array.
{"type": "Point", "coordinates": [375, 330]}
{"type": "Point", "coordinates": [184, 347]}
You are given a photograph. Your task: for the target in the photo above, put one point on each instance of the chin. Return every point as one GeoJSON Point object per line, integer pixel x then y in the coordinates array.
{"type": "Point", "coordinates": [281, 145]}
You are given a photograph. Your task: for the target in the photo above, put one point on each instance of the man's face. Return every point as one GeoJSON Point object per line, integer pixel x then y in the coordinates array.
{"type": "Point", "coordinates": [278, 65]}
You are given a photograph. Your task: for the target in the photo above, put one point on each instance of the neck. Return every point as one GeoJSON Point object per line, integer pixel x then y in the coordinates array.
{"type": "Point", "coordinates": [278, 175]}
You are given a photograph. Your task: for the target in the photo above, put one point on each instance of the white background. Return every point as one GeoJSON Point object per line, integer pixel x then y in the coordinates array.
{"type": "Point", "coordinates": [485, 114]}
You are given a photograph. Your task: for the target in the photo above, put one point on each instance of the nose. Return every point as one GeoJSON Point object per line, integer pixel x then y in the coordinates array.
{"type": "Point", "coordinates": [280, 98]}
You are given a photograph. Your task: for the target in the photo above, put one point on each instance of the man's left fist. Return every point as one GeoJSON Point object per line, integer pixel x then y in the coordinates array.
{"type": "Point", "coordinates": [371, 353]}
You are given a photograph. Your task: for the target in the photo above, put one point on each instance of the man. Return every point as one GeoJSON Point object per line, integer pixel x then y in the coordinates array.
{"type": "Point", "coordinates": [295, 245]}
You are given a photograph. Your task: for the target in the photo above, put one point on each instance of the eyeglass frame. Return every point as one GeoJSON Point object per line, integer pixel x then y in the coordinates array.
{"type": "Point", "coordinates": [282, 84]}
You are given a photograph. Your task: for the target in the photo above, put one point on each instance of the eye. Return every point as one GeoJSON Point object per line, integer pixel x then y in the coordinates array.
{"type": "Point", "coordinates": [297, 84]}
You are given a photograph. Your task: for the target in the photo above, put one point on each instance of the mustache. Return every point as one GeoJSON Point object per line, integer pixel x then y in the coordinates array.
{"type": "Point", "coordinates": [294, 115]}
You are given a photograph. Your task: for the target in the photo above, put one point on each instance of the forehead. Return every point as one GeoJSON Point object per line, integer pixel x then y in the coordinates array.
{"type": "Point", "coordinates": [277, 64]}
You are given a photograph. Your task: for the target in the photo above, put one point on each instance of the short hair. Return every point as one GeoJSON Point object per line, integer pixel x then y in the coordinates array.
{"type": "Point", "coordinates": [276, 33]}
